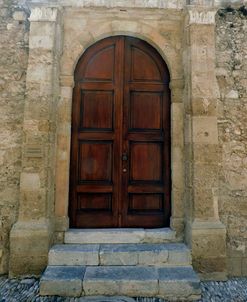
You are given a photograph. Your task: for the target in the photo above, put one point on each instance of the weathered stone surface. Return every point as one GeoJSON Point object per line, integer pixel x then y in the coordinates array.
{"type": "Point", "coordinates": [134, 281]}
{"type": "Point", "coordinates": [72, 254]}
{"type": "Point", "coordinates": [217, 110]}
{"type": "Point", "coordinates": [121, 280]}
{"type": "Point", "coordinates": [179, 282]}
{"type": "Point", "coordinates": [106, 299]}
{"type": "Point", "coordinates": [13, 64]}
{"type": "Point", "coordinates": [133, 254]}
{"type": "Point", "coordinates": [179, 254]}
{"type": "Point", "coordinates": [119, 254]}
{"type": "Point", "coordinates": [62, 281]}
{"type": "Point", "coordinates": [119, 236]}
{"type": "Point", "coordinates": [166, 254]}
{"type": "Point", "coordinates": [104, 236]}
{"type": "Point", "coordinates": [159, 235]}
{"type": "Point", "coordinates": [231, 68]}
{"type": "Point", "coordinates": [12, 289]}
{"type": "Point", "coordinates": [144, 254]}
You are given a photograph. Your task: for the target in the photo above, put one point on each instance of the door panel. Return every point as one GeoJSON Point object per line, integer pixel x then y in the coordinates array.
{"type": "Point", "coordinates": [95, 162]}
{"type": "Point", "coordinates": [94, 202]}
{"type": "Point", "coordinates": [152, 103]}
{"type": "Point", "coordinates": [145, 202]}
{"type": "Point", "coordinates": [145, 162]}
{"type": "Point", "coordinates": [101, 65]}
{"type": "Point", "coordinates": [120, 154]}
{"type": "Point", "coordinates": [143, 66]}
{"type": "Point", "coordinates": [97, 110]}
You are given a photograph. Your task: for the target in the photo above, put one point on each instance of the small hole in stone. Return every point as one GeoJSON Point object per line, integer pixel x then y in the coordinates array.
{"type": "Point", "coordinates": [206, 133]}
{"type": "Point", "coordinates": [229, 9]}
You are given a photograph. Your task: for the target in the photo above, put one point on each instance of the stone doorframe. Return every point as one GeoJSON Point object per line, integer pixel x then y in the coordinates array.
{"type": "Point", "coordinates": [44, 185]}
{"type": "Point", "coordinates": [108, 29]}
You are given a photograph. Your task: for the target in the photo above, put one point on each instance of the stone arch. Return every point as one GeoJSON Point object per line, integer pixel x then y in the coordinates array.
{"type": "Point", "coordinates": [72, 51]}
{"type": "Point", "coordinates": [114, 28]}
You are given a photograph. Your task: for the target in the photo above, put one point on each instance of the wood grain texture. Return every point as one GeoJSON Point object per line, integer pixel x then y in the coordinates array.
{"type": "Point", "coordinates": [120, 149]}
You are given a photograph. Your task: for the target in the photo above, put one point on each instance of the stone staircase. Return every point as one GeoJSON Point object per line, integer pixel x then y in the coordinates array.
{"type": "Point", "coordinates": [114, 262]}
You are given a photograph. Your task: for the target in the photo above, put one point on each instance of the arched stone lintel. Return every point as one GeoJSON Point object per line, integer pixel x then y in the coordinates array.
{"type": "Point", "coordinates": [73, 52]}
{"type": "Point", "coordinates": [114, 28]}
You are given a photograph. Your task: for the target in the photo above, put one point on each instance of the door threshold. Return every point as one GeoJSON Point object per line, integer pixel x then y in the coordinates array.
{"type": "Point", "coordinates": [117, 235]}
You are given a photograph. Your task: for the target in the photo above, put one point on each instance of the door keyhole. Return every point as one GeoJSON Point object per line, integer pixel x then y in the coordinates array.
{"type": "Point", "coordinates": [125, 157]}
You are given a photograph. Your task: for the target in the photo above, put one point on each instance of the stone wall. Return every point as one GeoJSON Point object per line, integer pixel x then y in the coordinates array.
{"type": "Point", "coordinates": [231, 53]}
{"type": "Point", "coordinates": [47, 118]}
{"type": "Point", "coordinates": [13, 63]}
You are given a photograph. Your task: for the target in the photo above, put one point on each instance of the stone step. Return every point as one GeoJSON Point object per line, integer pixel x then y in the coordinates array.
{"type": "Point", "coordinates": [94, 236]}
{"type": "Point", "coordinates": [134, 281]}
{"type": "Point", "coordinates": [166, 254]}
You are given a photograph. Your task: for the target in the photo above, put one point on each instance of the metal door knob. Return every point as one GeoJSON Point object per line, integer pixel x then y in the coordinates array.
{"type": "Point", "coordinates": [124, 170]}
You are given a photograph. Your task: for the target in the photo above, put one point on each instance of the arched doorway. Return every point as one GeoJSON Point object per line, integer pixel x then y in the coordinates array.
{"type": "Point", "coordinates": [120, 149]}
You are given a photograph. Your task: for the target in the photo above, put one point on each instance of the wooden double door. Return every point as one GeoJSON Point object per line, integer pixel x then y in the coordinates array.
{"type": "Point", "coordinates": [120, 149]}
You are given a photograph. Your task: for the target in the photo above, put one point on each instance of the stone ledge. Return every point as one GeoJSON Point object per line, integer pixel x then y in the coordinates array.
{"type": "Point", "coordinates": [174, 282]}
{"type": "Point", "coordinates": [165, 254]}
{"type": "Point", "coordinates": [160, 4]}
{"type": "Point", "coordinates": [120, 236]}
{"type": "Point", "coordinates": [62, 280]}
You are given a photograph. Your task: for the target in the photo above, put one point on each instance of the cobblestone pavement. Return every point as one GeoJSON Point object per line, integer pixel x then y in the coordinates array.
{"type": "Point", "coordinates": [27, 290]}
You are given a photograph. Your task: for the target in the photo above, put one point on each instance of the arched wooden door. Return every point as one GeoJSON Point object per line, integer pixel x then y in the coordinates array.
{"type": "Point", "coordinates": [120, 150]}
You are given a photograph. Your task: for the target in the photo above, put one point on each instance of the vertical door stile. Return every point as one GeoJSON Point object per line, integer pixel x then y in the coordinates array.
{"type": "Point", "coordinates": [119, 124]}
{"type": "Point", "coordinates": [125, 139]}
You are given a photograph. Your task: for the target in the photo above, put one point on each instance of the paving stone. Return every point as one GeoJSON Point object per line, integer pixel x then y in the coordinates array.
{"type": "Point", "coordinates": [74, 254]}
{"type": "Point", "coordinates": [62, 281]}
{"type": "Point", "coordinates": [124, 280]}
{"type": "Point", "coordinates": [179, 282]}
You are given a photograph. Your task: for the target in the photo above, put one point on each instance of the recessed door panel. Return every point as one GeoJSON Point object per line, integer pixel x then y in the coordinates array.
{"type": "Point", "coordinates": [151, 119]}
{"type": "Point", "coordinates": [142, 203]}
{"type": "Point", "coordinates": [100, 67]}
{"type": "Point", "coordinates": [97, 109]}
{"type": "Point", "coordinates": [94, 202]}
{"type": "Point", "coordinates": [143, 66]}
{"type": "Point", "coordinates": [95, 161]}
{"type": "Point", "coordinates": [145, 162]}
{"type": "Point", "coordinates": [120, 149]}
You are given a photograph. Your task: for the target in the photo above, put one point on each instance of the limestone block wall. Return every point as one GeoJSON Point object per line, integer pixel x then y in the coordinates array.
{"type": "Point", "coordinates": [208, 124]}
{"type": "Point", "coordinates": [13, 64]}
{"type": "Point", "coordinates": [231, 70]}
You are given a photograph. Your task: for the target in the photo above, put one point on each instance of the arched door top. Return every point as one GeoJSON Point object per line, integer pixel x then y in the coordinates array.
{"type": "Point", "coordinates": [120, 159]}
{"type": "Point", "coordinates": [98, 61]}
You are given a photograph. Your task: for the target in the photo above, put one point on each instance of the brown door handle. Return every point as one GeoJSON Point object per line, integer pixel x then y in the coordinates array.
{"type": "Point", "coordinates": [124, 157]}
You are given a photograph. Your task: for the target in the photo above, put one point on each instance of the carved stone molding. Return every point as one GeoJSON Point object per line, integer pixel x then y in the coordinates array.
{"type": "Point", "coordinates": [39, 14]}
{"type": "Point", "coordinates": [201, 16]}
